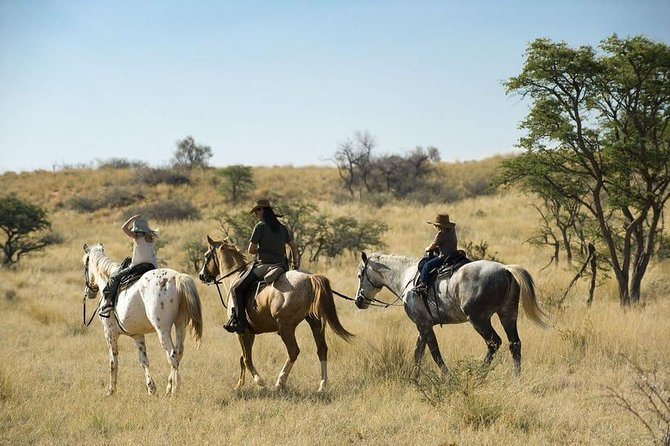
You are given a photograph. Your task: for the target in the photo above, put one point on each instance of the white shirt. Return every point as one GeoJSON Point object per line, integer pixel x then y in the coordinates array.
{"type": "Point", "coordinates": [143, 251]}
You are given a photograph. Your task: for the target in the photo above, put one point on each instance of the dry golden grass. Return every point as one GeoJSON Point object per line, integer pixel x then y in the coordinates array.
{"type": "Point", "coordinates": [54, 371]}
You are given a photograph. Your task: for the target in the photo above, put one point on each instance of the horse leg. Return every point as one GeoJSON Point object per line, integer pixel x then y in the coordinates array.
{"type": "Point", "coordinates": [486, 331]}
{"type": "Point", "coordinates": [247, 344]}
{"type": "Point", "coordinates": [509, 325]}
{"type": "Point", "coordinates": [321, 348]}
{"type": "Point", "coordinates": [112, 338]}
{"type": "Point", "coordinates": [144, 362]}
{"type": "Point", "coordinates": [165, 338]}
{"type": "Point", "coordinates": [418, 355]}
{"type": "Point", "coordinates": [428, 334]}
{"type": "Point", "coordinates": [288, 336]}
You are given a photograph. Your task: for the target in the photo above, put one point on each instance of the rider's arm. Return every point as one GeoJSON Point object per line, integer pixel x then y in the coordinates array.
{"type": "Point", "coordinates": [126, 226]}
{"type": "Point", "coordinates": [295, 254]}
{"type": "Point", "coordinates": [252, 248]}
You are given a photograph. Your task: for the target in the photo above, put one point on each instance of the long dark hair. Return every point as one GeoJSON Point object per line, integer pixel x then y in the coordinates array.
{"type": "Point", "coordinates": [270, 218]}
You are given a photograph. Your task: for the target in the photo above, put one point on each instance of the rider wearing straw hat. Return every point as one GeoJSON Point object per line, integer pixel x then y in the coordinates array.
{"type": "Point", "coordinates": [445, 242]}
{"type": "Point", "coordinates": [267, 242]}
{"type": "Point", "coordinates": [144, 253]}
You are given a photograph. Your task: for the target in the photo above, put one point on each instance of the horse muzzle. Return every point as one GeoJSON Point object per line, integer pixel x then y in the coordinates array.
{"type": "Point", "coordinates": [206, 278]}
{"type": "Point", "coordinates": [362, 302]}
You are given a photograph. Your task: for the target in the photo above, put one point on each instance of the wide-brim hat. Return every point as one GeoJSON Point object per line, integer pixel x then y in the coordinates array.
{"type": "Point", "coordinates": [443, 221]}
{"type": "Point", "coordinates": [141, 226]}
{"type": "Point", "coordinates": [263, 203]}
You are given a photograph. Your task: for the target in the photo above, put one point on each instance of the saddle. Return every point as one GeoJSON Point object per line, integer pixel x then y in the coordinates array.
{"type": "Point", "coordinates": [273, 274]}
{"type": "Point", "coordinates": [133, 275]}
{"type": "Point", "coordinates": [450, 265]}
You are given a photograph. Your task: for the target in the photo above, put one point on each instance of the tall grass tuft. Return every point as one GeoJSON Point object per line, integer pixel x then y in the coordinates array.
{"type": "Point", "coordinates": [6, 390]}
{"type": "Point", "coordinates": [384, 361]}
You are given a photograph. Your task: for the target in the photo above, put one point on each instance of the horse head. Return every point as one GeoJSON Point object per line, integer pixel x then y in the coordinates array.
{"type": "Point", "coordinates": [370, 281]}
{"type": "Point", "coordinates": [91, 289]}
{"type": "Point", "coordinates": [221, 257]}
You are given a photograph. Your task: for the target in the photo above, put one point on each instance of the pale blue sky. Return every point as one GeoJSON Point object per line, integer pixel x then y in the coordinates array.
{"type": "Point", "coordinates": [281, 82]}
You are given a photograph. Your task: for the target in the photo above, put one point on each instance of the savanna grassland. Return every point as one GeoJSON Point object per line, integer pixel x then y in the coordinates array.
{"type": "Point", "coordinates": [54, 371]}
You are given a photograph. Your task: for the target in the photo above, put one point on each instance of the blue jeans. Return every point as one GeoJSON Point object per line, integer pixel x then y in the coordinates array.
{"type": "Point", "coordinates": [430, 265]}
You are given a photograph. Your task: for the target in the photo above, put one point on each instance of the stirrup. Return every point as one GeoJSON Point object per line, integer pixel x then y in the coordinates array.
{"type": "Point", "coordinates": [105, 311]}
{"type": "Point", "coordinates": [420, 288]}
{"type": "Point", "coordinates": [232, 326]}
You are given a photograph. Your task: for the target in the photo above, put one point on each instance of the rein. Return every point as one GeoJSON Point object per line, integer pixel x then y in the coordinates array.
{"type": "Point", "coordinates": [84, 313]}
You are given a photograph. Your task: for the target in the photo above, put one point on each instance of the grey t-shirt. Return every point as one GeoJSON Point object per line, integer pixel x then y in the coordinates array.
{"type": "Point", "coordinates": [271, 244]}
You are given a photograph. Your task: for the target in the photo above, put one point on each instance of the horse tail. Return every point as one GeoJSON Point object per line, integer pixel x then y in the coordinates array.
{"type": "Point", "coordinates": [323, 306]}
{"type": "Point", "coordinates": [190, 304]}
{"type": "Point", "coordinates": [527, 293]}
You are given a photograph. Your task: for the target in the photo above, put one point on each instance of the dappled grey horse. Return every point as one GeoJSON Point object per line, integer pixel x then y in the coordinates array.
{"type": "Point", "coordinates": [474, 293]}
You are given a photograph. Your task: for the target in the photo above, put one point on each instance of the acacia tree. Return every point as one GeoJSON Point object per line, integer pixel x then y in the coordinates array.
{"type": "Point", "coordinates": [26, 228]}
{"type": "Point", "coordinates": [190, 155]}
{"type": "Point", "coordinates": [238, 182]}
{"type": "Point", "coordinates": [597, 135]}
{"type": "Point", "coordinates": [354, 160]}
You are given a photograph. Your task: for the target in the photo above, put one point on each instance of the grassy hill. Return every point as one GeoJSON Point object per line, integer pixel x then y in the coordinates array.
{"type": "Point", "coordinates": [53, 378]}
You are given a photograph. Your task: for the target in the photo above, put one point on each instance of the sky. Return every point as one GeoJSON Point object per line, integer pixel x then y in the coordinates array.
{"type": "Point", "coordinates": [268, 83]}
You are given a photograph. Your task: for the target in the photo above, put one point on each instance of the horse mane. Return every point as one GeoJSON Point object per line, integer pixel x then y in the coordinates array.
{"type": "Point", "coordinates": [103, 264]}
{"type": "Point", "coordinates": [238, 257]}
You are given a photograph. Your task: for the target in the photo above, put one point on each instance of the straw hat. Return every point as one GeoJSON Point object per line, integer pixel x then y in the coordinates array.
{"type": "Point", "coordinates": [442, 220]}
{"type": "Point", "coordinates": [140, 226]}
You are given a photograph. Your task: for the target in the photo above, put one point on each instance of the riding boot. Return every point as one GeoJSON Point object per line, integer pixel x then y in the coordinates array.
{"type": "Point", "coordinates": [421, 287]}
{"type": "Point", "coordinates": [108, 294]}
{"type": "Point", "coordinates": [238, 319]}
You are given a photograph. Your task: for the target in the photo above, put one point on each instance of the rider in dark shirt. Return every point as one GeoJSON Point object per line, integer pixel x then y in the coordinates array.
{"type": "Point", "coordinates": [268, 242]}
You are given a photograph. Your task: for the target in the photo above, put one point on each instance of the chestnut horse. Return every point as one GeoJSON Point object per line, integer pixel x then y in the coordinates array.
{"type": "Point", "coordinates": [278, 308]}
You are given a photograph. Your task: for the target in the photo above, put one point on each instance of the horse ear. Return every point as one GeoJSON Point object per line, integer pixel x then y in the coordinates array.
{"type": "Point", "coordinates": [364, 257]}
{"type": "Point", "coordinates": [86, 248]}
{"type": "Point", "coordinates": [209, 240]}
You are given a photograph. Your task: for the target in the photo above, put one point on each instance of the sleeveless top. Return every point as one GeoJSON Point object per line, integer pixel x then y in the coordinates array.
{"type": "Point", "coordinates": [143, 251]}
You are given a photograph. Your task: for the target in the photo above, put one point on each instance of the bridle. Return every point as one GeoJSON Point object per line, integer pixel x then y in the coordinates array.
{"type": "Point", "coordinates": [209, 280]}
{"type": "Point", "coordinates": [373, 301]}
{"type": "Point", "coordinates": [90, 288]}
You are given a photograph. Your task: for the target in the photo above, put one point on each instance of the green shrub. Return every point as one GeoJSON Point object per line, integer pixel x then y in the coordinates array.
{"type": "Point", "coordinates": [120, 163]}
{"type": "Point", "coordinates": [153, 177]}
